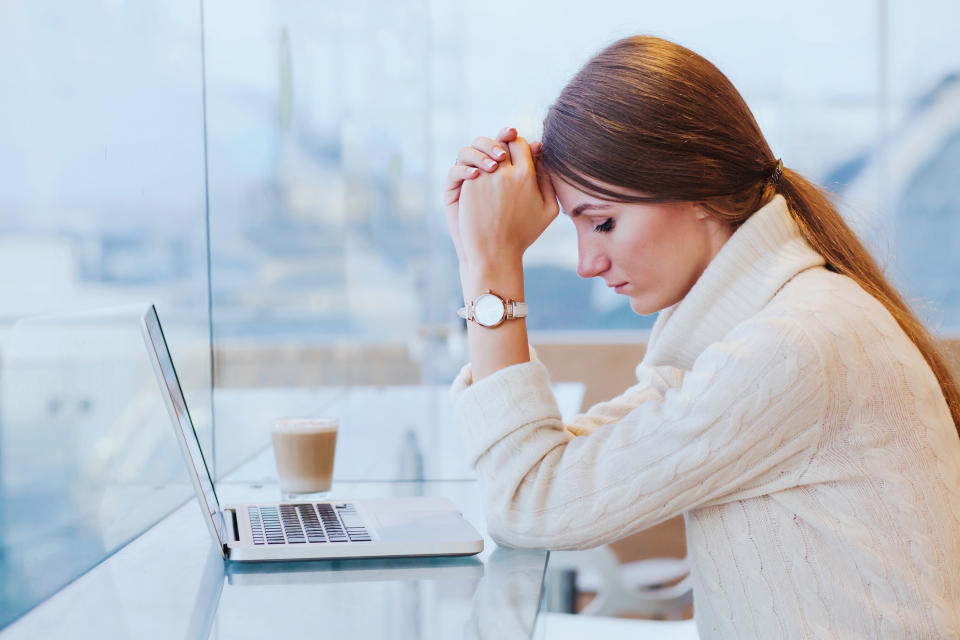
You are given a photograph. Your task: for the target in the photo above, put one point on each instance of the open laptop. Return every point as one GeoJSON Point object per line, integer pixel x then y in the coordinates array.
{"type": "Point", "coordinates": [367, 528]}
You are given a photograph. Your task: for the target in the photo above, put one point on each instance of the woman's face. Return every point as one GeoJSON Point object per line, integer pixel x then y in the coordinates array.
{"type": "Point", "coordinates": [652, 253]}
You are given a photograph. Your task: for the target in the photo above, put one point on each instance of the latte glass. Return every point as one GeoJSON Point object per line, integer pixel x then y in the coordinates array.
{"type": "Point", "coordinates": [304, 449]}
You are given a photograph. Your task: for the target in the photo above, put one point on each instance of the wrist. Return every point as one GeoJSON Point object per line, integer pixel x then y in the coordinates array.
{"type": "Point", "coordinates": [505, 280]}
{"type": "Point", "coordinates": [502, 262]}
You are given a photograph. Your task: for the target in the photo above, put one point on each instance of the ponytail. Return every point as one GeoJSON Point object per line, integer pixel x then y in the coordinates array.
{"type": "Point", "coordinates": [826, 231]}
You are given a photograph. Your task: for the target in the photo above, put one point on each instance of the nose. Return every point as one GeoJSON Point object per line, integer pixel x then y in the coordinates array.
{"type": "Point", "coordinates": [592, 260]}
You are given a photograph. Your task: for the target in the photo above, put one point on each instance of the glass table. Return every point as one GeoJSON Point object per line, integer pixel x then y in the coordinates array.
{"type": "Point", "coordinates": [170, 581]}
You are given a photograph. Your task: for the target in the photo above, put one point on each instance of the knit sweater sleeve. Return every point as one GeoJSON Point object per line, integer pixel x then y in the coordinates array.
{"type": "Point", "coordinates": [652, 384]}
{"type": "Point", "coordinates": [745, 420]}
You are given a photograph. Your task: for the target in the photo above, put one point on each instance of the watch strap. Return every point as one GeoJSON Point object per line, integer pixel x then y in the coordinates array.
{"type": "Point", "coordinates": [516, 309]}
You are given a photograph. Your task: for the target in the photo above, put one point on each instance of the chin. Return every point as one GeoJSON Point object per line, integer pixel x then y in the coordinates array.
{"type": "Point", "coordinates": [644, 306]}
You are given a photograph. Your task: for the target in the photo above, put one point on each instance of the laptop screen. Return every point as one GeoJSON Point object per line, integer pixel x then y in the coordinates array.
{"type": "Point", "coordinates": [183, 425]}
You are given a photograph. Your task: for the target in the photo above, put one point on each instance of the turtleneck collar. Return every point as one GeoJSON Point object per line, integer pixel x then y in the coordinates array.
{"type": "Point", "coordinates": [751, 267]}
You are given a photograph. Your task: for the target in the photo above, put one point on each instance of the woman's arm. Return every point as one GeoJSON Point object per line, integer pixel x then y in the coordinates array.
{"type": "Point", "coordinates": [745, 420]}
{"type": "Point", "coordinates": [652, 384]}
{"type": "Point", "coordinates": [498, 216]}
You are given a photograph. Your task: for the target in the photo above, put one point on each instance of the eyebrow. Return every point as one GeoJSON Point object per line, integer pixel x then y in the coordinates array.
{"type": "Point", "coordinates": [587, 206]}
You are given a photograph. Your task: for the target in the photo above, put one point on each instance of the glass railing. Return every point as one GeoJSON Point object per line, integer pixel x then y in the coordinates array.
{"type": "Point", "coordinates": [102, 203]}
{"type": "Point", "coordinates": [87, 455]}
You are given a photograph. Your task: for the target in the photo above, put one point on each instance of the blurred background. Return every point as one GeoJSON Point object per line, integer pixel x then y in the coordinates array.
{"type": "Point", "coordinates": [269, 174]}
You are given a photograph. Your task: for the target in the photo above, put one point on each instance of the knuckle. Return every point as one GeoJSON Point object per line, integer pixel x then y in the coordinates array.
{"type": "Point", "coordinates": [468, 188]}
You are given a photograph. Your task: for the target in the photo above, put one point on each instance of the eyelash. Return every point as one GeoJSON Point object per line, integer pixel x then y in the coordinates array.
{"type": "Point", "coordinates": [605, 227]}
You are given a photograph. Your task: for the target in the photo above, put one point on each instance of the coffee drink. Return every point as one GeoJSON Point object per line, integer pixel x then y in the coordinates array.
{"type": "Point", "coordinates": [304, 450]}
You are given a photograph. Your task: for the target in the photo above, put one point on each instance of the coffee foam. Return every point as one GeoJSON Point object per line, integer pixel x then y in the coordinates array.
{"type": "Point", "coordinates": [305, 425]}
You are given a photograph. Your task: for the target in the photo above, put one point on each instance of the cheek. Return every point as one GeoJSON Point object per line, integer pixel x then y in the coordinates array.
{"type": "Point", "coordinates": [676, 244]}
{"type": "Point", "coordinates": [660, 258]}
{"type": "Point", "coordinates": [686, 261]}
{"type": "Point", "coordinates": [643, 252]}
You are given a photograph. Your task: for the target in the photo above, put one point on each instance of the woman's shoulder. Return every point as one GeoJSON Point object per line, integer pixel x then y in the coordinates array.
{"type": "Point", "coordinates": [831, 297]}
{"type": "Point", "coordinates": [839, 317]}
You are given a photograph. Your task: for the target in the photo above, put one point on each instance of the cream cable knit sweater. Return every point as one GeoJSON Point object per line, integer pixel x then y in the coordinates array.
{"type": "Point", "coordinates": [781, 409]}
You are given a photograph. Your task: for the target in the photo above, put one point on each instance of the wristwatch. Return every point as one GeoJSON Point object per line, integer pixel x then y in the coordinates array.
{"type": "Point", "coordinates": [490, 310]}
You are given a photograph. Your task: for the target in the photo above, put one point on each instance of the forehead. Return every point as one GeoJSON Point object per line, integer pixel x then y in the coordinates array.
{"type": "Point", "coordinates": [571, 197]}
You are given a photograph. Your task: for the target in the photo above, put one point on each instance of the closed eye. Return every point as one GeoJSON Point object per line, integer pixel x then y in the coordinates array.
{"type": "Point", "coordinates": [605, 226]}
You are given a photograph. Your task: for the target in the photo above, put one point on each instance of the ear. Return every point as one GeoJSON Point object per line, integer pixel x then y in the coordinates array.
{"type": "Point", "coordinates": [699, 212]}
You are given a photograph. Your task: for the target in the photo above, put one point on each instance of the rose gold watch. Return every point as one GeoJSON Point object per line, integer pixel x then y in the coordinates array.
{"type": "Point", "coordinates": [491, 310]}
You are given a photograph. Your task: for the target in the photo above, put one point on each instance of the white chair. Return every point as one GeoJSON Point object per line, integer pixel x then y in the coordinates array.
{"type": "Point", "coordinates": [646, 587]}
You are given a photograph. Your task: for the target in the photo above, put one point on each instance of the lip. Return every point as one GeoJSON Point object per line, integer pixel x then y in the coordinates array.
{"type": "Point", "coordinates": [619, 287]}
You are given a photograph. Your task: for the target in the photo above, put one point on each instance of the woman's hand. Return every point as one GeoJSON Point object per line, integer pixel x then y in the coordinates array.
{"type": "Point", "coordinates": [502, 213]}
{"type": "Point", "coordinates": [497, 205]}
{"type": "Point", "coordinates": [483, 156]}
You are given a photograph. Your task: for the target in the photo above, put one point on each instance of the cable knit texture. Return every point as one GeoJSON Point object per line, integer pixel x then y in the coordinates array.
{"type": "Point", "coordinates": [782, 410]}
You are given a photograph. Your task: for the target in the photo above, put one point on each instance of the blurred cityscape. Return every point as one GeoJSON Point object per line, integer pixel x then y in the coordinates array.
{"type": "Point", "coordinates": [291, 248]}
{"type": "Point", "coordinates": [322, 202]}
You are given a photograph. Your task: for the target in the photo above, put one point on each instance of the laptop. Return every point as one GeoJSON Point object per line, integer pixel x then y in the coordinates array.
{"type": "Point", "coordinates": [421, 526]}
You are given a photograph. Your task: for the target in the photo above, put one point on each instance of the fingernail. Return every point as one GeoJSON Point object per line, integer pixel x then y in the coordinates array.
{"type": "Point", "coordinates": [489, 164]}
{"type": "Point", "coordinates": [499, 154]}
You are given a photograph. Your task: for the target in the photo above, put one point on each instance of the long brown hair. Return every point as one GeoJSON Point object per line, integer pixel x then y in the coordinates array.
{"type": "Point", "coordinates": [648, 115]}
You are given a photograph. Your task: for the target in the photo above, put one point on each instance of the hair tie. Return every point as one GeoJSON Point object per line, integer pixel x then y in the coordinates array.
{"type": "Point", "coordinates": [777, 173]}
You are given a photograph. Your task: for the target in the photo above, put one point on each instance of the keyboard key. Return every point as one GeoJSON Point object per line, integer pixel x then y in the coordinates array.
{"type": "Point", "coordinates": [291, 524]}
{"type": "Point", "coordinates": [256, 526]}
{"type": "Point", "coordinates": [341, 522]}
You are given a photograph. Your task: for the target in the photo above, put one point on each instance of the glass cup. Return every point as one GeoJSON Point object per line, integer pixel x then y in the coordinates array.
{"type": "Point", "coordinates": [304, 449]}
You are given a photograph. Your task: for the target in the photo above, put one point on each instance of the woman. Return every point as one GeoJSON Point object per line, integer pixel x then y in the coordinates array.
{"type": "Point", "coordinates": [789, 403]}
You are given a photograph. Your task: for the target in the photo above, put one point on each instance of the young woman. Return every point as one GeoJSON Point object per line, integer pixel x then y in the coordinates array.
{"type": "Point", "coordinates": [789, 404]}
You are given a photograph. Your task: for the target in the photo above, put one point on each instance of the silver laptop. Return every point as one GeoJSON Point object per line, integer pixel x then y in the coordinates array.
{"type": "Point", "coordinates": [366, 528]}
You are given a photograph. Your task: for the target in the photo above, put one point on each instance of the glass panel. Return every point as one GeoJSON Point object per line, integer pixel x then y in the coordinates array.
{"type": "Point", "coordinates": [923, 161]}
{"type": "Point", "coordinates": [89, 460]}
{"type": "Point", "coordinates": [101, 204]}
{"type": "Point", "coordinates": [332, 127]}
{"type": "Point", "coordinates": [325, 252]}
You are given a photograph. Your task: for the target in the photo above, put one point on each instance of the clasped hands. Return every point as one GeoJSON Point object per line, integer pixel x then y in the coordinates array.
{"type": "Point", "coordinates": [498, 201]}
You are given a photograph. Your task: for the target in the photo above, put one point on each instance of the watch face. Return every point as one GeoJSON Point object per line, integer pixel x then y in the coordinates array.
{"type": "Point", "coordinates": [488, 310]}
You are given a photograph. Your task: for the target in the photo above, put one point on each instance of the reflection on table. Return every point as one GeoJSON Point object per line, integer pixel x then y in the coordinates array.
{"type": "Point", "coordinates": [171, 583]}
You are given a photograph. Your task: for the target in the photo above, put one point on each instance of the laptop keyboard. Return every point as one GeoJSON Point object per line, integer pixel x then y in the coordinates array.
{"type": "Point", "coordinates": [307, 523]}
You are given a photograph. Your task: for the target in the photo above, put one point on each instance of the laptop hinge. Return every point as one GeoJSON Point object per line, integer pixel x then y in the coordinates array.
{"type": "Point", "coordinates": [232, 525]}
